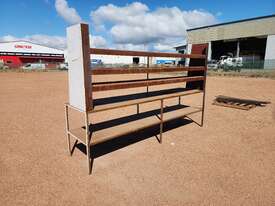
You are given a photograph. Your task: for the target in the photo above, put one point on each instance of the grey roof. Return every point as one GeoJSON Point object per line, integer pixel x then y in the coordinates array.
{"type": "Point", "coordinates": [232, 22]}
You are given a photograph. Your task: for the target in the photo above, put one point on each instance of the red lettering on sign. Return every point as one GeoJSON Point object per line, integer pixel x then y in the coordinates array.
{"type": "Point", "coordinates": [17, 46]}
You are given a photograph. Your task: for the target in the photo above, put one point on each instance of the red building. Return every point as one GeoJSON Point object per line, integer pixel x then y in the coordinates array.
{"type": "Point", "coordinates": [18, 53]}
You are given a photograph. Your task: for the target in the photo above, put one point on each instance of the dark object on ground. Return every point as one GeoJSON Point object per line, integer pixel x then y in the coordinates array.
{"type": "Point", "coordinates": [237, 103]}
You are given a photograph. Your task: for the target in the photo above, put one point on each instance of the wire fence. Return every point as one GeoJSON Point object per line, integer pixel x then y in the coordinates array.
{"type": "Point", "coordinates": [259, 64]}
{"type": "Point", "coordinates": [247, 65]}
{"type": "Point", "coordinates": [259, 68]}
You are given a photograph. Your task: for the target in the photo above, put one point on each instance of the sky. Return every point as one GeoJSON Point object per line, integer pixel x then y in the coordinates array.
{"type": "Point", "coordinates": [134, 25]}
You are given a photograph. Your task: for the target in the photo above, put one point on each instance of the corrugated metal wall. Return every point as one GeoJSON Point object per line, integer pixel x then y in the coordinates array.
{"type": "Point", "coordinates": [258, 27]}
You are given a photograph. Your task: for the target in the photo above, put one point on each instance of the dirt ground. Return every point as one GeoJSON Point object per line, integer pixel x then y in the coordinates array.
{"type": "Point", "coordinates": [230, 161]}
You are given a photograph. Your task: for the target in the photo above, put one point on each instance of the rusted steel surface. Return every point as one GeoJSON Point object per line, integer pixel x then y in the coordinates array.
{"type": "Point", "coordinates": [136, 70]}
{"type": "Point", "coordinates": [241, 101]}
{"type": "Point", "coordinates": [234, 105]}
{"type": "Point", "coordinates": [244, 104]}
{"type": "Point", "coordinates": [96, 87]}
{"type": "Point", "coordinates": [144, 53]}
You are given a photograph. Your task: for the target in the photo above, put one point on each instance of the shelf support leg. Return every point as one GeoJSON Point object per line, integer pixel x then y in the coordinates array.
{"type": "Point", "coordinates": [179, 100]}
{"type": "Point", "coordinates": [147, 74]}
{"type": "Point", "coordinates": [88, 141]}
{"type": "Point", "coordinates": [203, 100]}
{"type": "Point", "coordinates": [67, 129]}
{"type": "Point", "coordinates": [204, 85]}
{"type": "Point", "coordinates": [161, 121]}
{"type": "Point", "coordinates": [202, 112]}
{"type": "Point", "coordinates": [137, 108]}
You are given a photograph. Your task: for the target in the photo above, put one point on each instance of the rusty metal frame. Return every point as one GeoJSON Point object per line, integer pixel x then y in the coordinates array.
{"type": "Point", "coordinates": [144, 53]}
{"type": "Point", "coordinates": [68, 129]}
{"type": "Point", "coordinates": [161, 121]}
{"type": "Point", "coordinates": [88, 139]}
{"type": "Point", "coordinates": [104, 86]}
{"type": "Point", "coordinates": [204, 90]}
{"type": "Point", "coordinates": [139, 70]}
{"type": "Point", "coordinates": [87, 143]}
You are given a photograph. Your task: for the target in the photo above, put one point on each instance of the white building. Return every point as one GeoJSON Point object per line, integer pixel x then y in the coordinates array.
{"type": "Point", "coordinates": [18, 53]}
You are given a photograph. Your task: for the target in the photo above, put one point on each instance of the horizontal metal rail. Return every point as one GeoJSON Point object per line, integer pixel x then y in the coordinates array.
{"type": "Point", "coordinates": [144, 53]}
{"type": "Point", "coordinates": [140, 101]}
{"type": "Point", "coordinates": [104, 86]}
{"type": "Point", "coordinates": [76, 137]}
{"type": "Point", "coordinates": [138, 70]}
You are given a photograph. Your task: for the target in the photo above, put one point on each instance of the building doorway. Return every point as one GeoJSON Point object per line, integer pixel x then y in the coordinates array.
{"type": "Point", "coordinates": [135, 60]}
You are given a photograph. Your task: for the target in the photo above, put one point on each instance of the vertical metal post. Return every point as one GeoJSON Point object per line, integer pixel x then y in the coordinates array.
{"type": "Point", "coordinates": [148, 65]}
{"type": "Point", "coordinates": [238, 49]}
{"type": "Point", "coordinates": [203, 105]}
{"type": "Point", "coordinates": [88, 141]}
{"type": "Point", "coordinates": [67, 129]}
{"type": "Point", "coordinates": [137, 108]}
{"type": "Point", "coordinates": [179, 100]}
{"type": "Point", "coordinates": [161, 121]}
{"type": "Point", "coordinates": [204, 85]}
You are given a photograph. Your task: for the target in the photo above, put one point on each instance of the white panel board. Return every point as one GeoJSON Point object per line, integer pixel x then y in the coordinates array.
{"type": "Point", "coordinates": [77, 42]}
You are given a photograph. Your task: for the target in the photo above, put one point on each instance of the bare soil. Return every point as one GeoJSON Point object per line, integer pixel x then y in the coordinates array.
{"type": "Point", "coordinates": [229, 161]}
